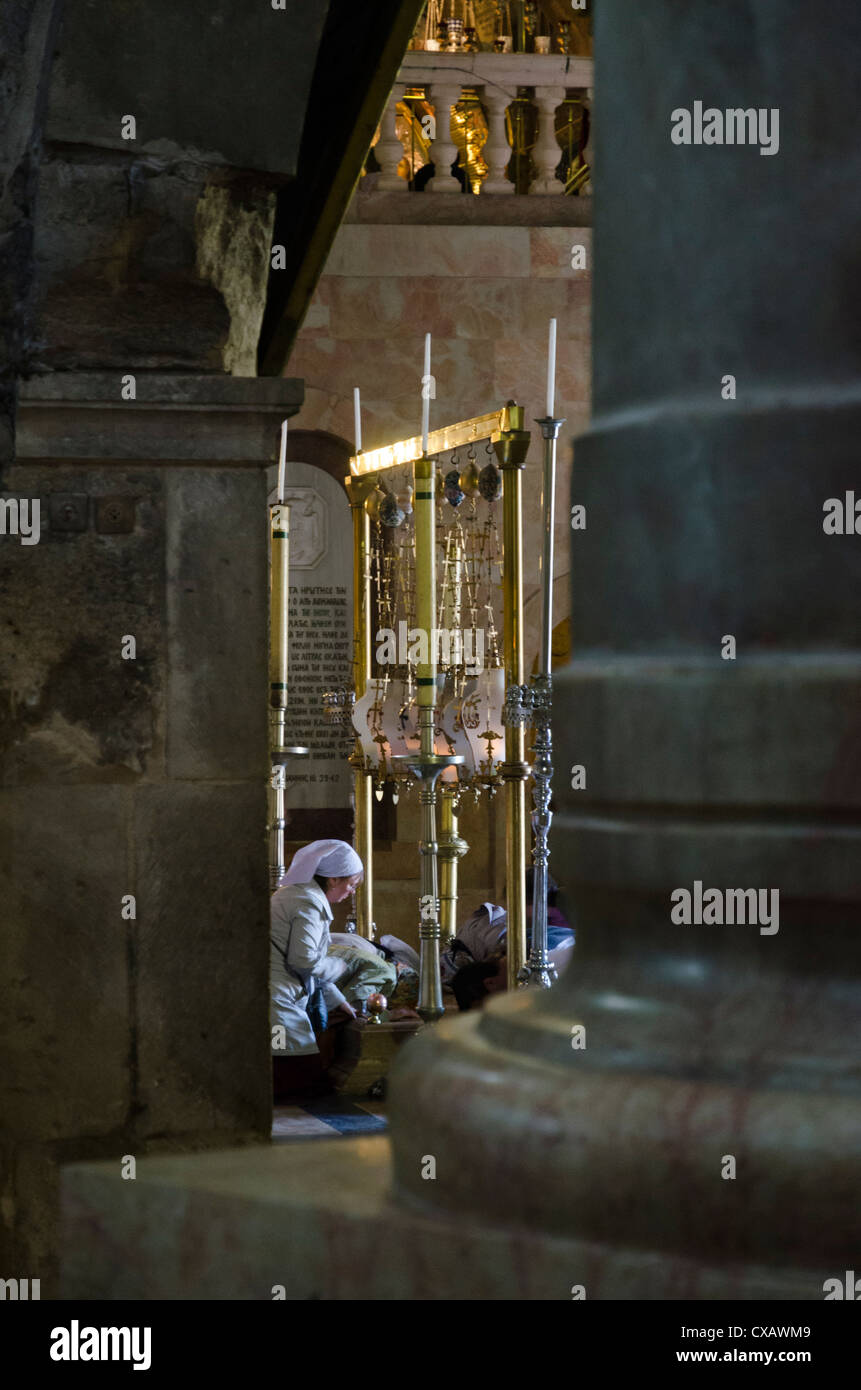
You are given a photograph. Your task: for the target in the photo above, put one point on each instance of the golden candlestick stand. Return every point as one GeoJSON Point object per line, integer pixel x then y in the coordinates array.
{"type": "Point", "coordinates": [534, 703]}
{"type": "Point", "coordinates": [510, 441]}
{"type": "Point", "coordinates": [511, 449]}
{"type": "Point", "coordinates": [280, 750]}
{"type": "Point", "coordinates": [359, 490]}
{"type": "Point", "coordinates": [427, 767]}
{"type": "Point", "coordinates": [427, 764]}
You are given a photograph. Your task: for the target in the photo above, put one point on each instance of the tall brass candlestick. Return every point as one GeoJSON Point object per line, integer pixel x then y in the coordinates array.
{"type": "Point", "coordinates": [279, 602]}
{"type": "Point", "coordinates": [511, 449]}
{"type": "Point", "coordinates": [539, 968]}
{"type": "Point", "coordinates": [427, 765]}
{"type": "Point", "coordinates": [535, 701]}
{"type": "Point", "coordinates": [279, 619]}
{"type": "Point", "coordinates": [451, 848]}
{"type": "Point", "coordinates": [359, 489]}
{"type": "Point", "coordinates": [424, 499]}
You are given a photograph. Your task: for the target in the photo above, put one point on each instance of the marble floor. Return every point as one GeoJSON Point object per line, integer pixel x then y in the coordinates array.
{"type": "Point", "coordinates": [326, 1117]}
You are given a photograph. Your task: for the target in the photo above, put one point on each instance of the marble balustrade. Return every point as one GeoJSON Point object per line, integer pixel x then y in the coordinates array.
{"type": "Point", "coordinates": [499, 78]}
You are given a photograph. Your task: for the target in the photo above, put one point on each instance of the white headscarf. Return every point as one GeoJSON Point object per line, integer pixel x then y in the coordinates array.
{"type": "Point", "coordinates": [330, 858]}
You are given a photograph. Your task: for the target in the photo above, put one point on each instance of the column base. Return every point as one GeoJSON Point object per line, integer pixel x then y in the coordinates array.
{"type": "Point", "coordinates": [317, 1221]}
{"type": "Point", "coordinates": [528, 1127]}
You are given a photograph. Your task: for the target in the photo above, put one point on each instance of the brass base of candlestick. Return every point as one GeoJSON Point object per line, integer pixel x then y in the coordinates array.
{"type": "Point", "coordinates": [524, 703]}
{"type": "Point", "coordinates": [511, 448]}
{"type": "Point", "coordinates": [533, 703]}
{"type": "Point", "coordinates": [452, 847]}
{"type": "Point", "coordinates": [427, 768]}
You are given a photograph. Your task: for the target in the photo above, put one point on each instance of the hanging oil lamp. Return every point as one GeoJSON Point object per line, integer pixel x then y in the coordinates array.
{"type": "Point", "coordinates": [490, 482]}
{"type": "Point", "coordinates": [469, 478]}
{"type": "Point", "coordinates": [454, 493]}
{"type": "Point", "coordinates": [390, 512]}
{"type": "Point", "coordinates": [405, 500]}
{"type": "Point", "coordinates": [374, 501]}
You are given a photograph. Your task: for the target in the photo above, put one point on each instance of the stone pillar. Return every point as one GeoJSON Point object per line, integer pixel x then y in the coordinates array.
{"type": "Point", "coordinates": [444, 150]}
{"type": "Point", "coordinates": [133, 873]}
{"type": "Point", "coordinates": [388, 149]}
{"type": "Point", "coordinates": [496, 150]}
{"type": "Point", "coordinates": [547, 153]}
{"type": "Point", "coordinates": [706, 1046]}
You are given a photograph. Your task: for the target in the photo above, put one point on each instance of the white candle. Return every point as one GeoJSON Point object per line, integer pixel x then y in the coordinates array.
{"type": "Point", "coordinates": [357, 412]}
{"type": "Point", "coordinates": [282, 462]}
{"type": "Point", "coordinates": [551, 370]}
{"type": "Point", "coordinates": [426, 386]}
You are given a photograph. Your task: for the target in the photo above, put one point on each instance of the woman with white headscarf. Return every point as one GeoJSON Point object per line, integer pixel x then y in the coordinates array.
{"type": "Point", "coordinates": [324, 872]}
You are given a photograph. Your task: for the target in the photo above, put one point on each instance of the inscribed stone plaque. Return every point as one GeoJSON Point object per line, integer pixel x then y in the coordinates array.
{"type": "Point", "coordinates": [321, 634]}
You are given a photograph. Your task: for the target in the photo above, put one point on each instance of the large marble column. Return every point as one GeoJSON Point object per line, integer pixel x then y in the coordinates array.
{"type": "Point", "coordinates": [703, 1043]}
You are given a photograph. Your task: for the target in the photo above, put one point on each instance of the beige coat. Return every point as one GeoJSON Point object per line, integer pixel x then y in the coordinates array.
{"type": "Point", "coordinates": [300, 915]}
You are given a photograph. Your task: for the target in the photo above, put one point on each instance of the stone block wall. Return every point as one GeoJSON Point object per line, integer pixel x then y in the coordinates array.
{"type": "Point", "coordinates": [121, 779]}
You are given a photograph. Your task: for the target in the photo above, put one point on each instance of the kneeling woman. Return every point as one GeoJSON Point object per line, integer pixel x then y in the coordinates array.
{"type": "Point", "coordinates": [324, 872]}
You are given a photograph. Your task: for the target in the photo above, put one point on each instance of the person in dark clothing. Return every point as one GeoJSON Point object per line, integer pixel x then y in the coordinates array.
{"type": "Point", "coordinates": [472, 975]}
{"type": "Point", "coordinates": [472, 983]}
